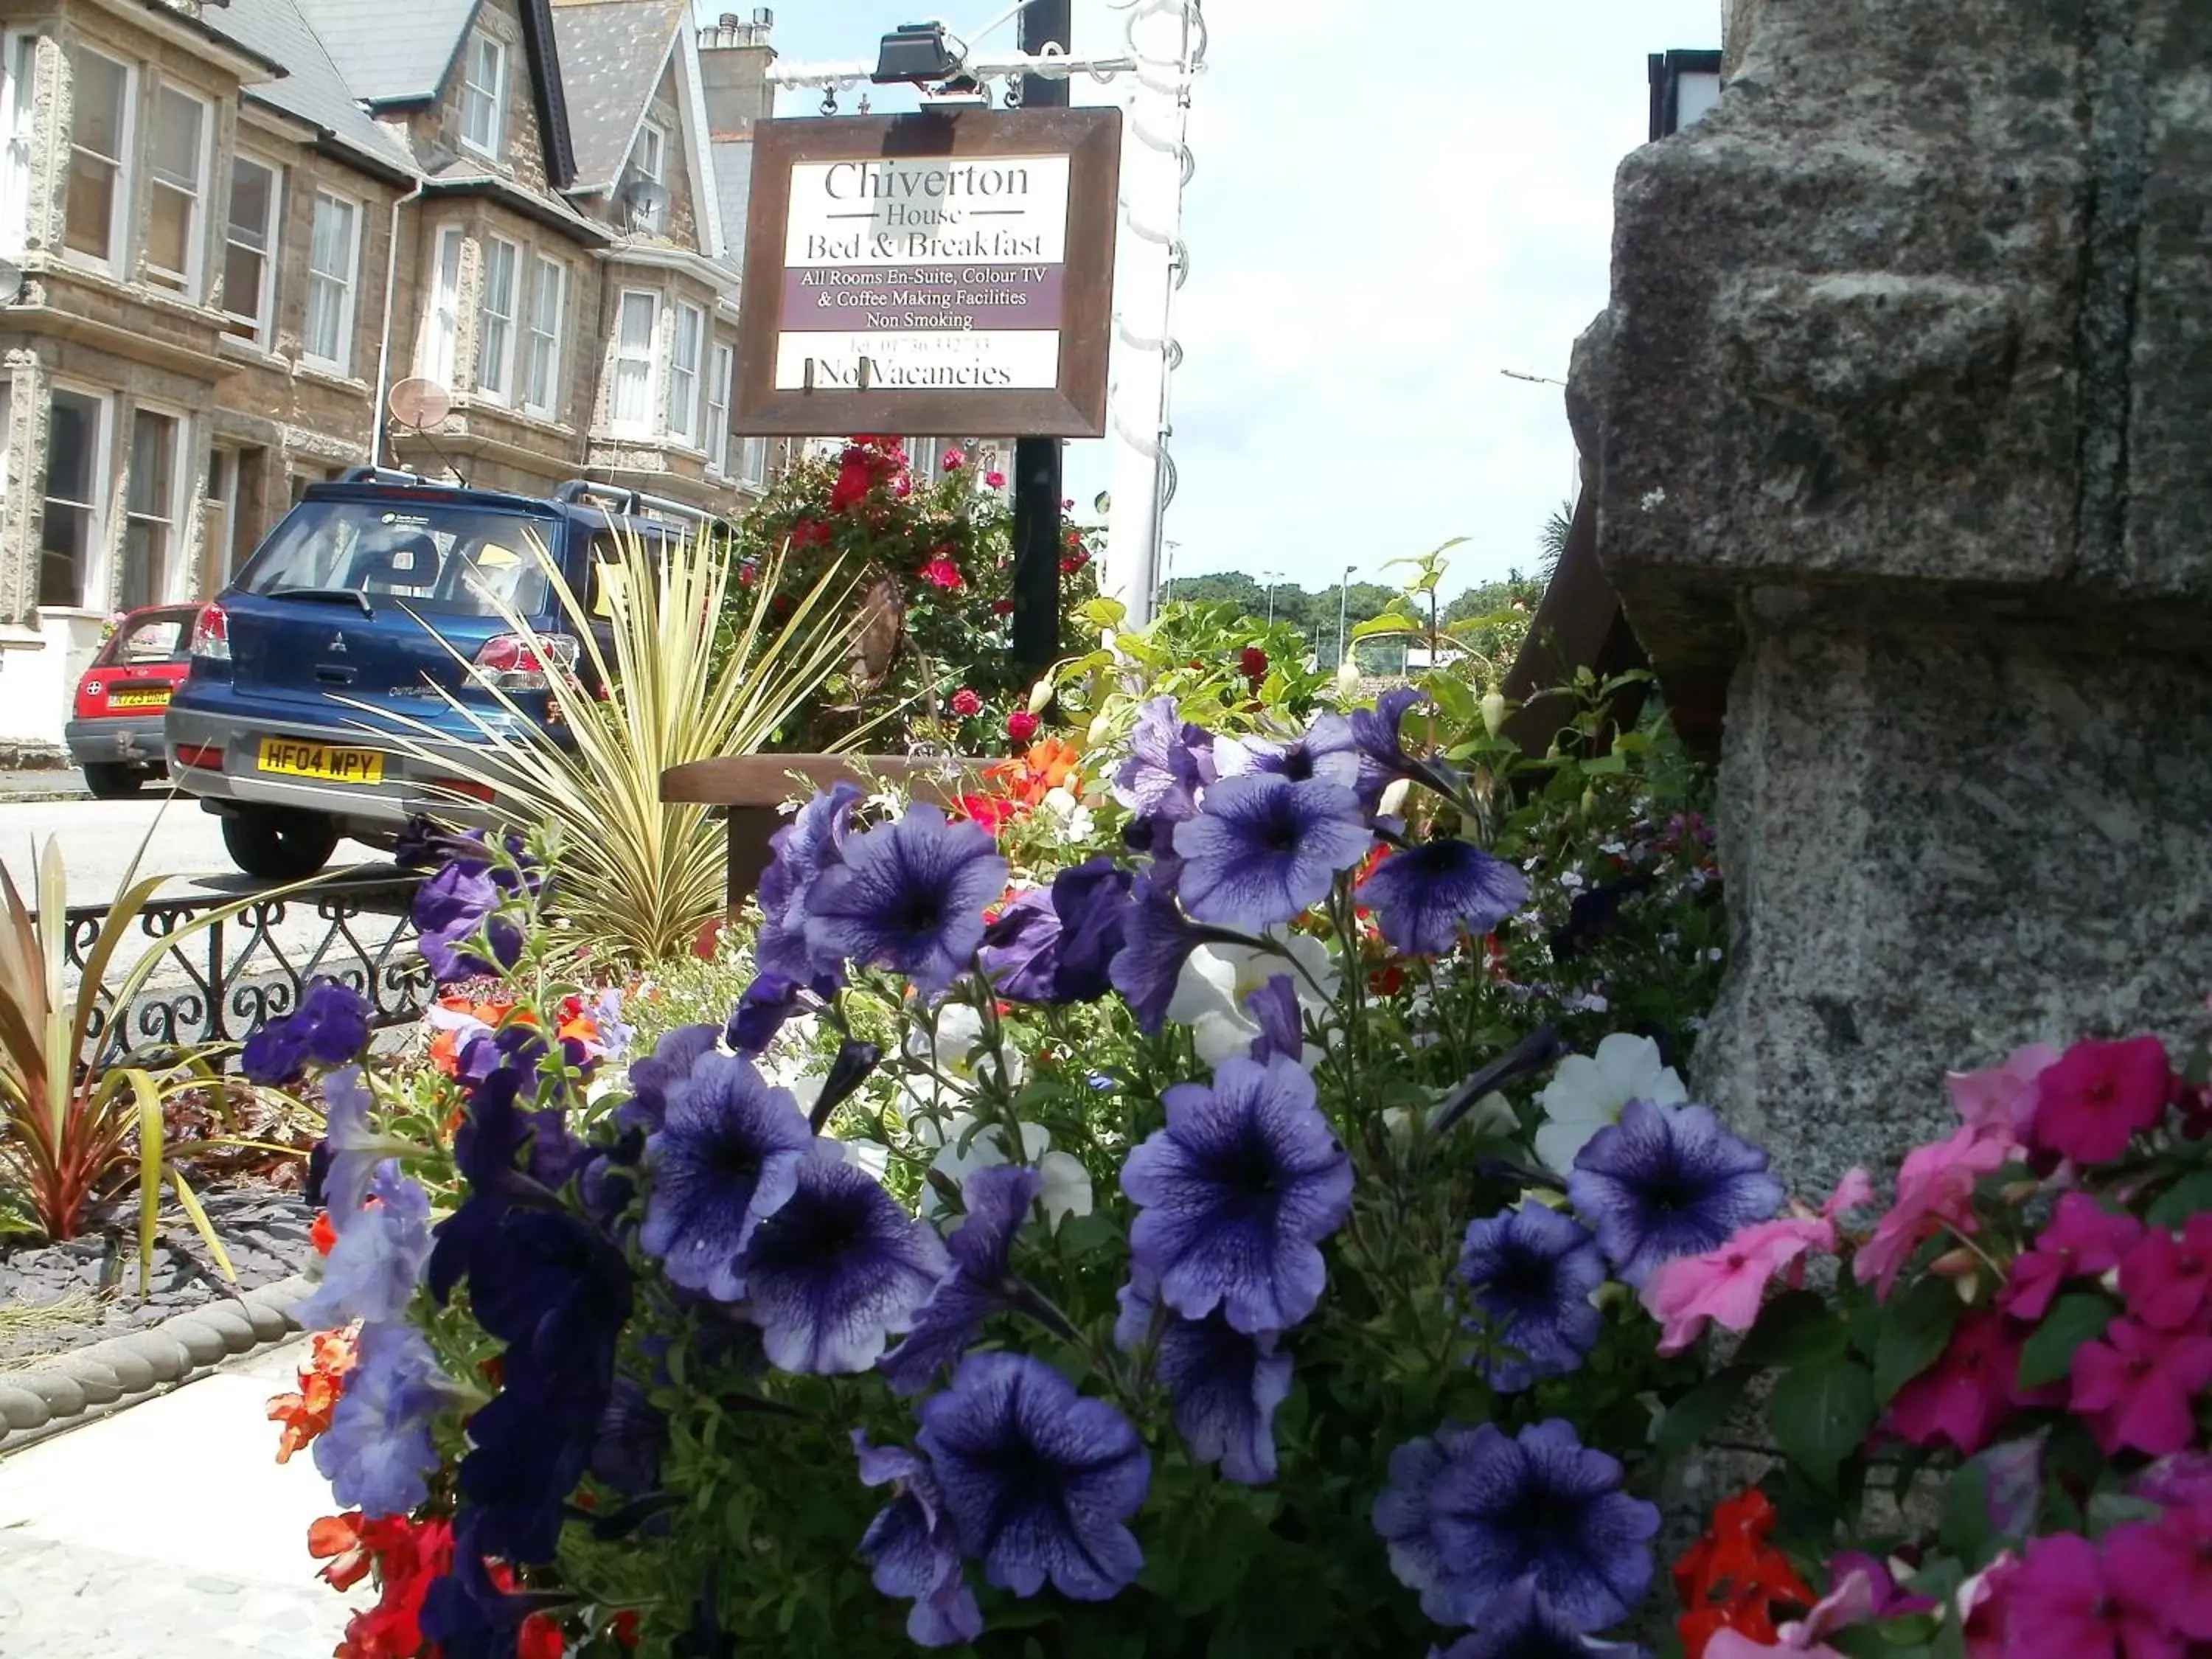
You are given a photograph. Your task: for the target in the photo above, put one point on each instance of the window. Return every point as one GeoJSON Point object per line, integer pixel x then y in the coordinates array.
{"type": "Point", "coordinates": [496, 344]}
{"type": "Point", "coordinates": [442, 353]}
{"type": "Point", "coordinates": [100, 138]}
{"type": "Point", "coordinates": [249, 275]}
{"type": "Point", "coordinates": [438, 558]}
{"type": "Point", "coordinates": [76, 432]}
{"type": "Point", "coordinates": [752, 461]}
{"type": "Point", "coordinates": [684, 374]}
{"type": "Point", "coordinates": [541, 348]}
{"type": "Point", "coordinates": [178, 159]}
{"type": "Point", "coordinates": [484, 91]}
{"type": "Point", "coordinates": [149, 509]}
{"type": "Point", "coordinates": [19, 65]}
{"type": "Point", "coordinates": [649, 158]}
{"type": "Point", "coordinates": [636, 321]}
{"type": "Point", "coordinates": [718, 410]}
{"type": "Point", "coordinates": [332, 251]}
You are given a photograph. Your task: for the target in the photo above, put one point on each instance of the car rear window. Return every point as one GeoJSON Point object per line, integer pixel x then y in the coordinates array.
{"type": "Point", "coordinates": [447, 558]}
{"type": "Point", "coordinates": [143, 640]}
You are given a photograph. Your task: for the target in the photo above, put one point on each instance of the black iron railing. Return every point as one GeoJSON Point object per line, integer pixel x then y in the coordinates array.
{"type": "Point", "coordinates": [221, 983]}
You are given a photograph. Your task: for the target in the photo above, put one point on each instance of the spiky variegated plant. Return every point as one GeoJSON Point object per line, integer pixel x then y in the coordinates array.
{"type": "Point", "coordinates": [639, 876]}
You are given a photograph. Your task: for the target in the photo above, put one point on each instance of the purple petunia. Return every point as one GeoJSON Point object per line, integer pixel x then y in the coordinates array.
{"type": "Point", "coordinates": [1521, 1623]}
{"type": "Point", "coordinates": [1668, 1182]}
{"type": "Point", "coordinates": [1274, 1007]}
{"type": "Point", "coordinates": [766, 1004]}
{"type": "Point", "coordinates": [1325, 750]}
{"type": "Point", "coordinates": [907, 896]}
{"type": "Point", "coordinates": [377, 1453]}
{"type": "Point", "coordinates": [1037, 1479]}
{"type": "Point", "coordinates": [1055, 947]}
{"type": "Point", "coordinates": [727, 1153]}
{"type": "Point", "coordinates": [1222, 1386]}
{"type": "Point", "coordinates": [652, 1076]}
{"type": "Point", "coordinates": [912, 1549]}
{"type": "Point", "coordinates": [330, 1027]}
{"type": "Point", "coordinates": [839, 1269]}
{"type": "Point", "coordinates": [1472, 1513]}
{"type": "Point", "coordinates": [351, 1143]}
{"type": "Point", "coordinates": [1530, 1273]}
{"type": "Point", "coordinates": [1157, 940]}
{"type": "Point", "coordinates": [1383, 758]}
{"type": "Point", "coordinates": [802, 849]}
{"type": "Point", "coordinates": [998, 1198]}
{"type": "Point", "coordinates": [1424, 896]}
{"type": "Point", "coordinates": [372, 1271]}
{"type": "Point", "coordinates": [450, 909]}
{"type": "Point", "coordinates": [1236, 1195]}
{"type": "Point", "coordinates": [1170, 762]}
{"type": "Point", "coordinates": [1267, 849]}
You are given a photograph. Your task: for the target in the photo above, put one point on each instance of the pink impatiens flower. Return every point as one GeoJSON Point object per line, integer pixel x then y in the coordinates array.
{"type": "Point", "coordinates": [1726, 1286]}
{"type": "Point", "coordinates": [2083, 1241]}
{"type": "Point", "coordinates": [2167, 1281]}
{"type": "Point", "coordinates": [1935, 1190]}
{"type": "Point", "coordinates": [2162, 1569]}
{"type": "Point", "coordinates": [2137, 1387]}
{"type": "Point", "coordinates": [2002, 1098]}
{"type": "Point", "coordinates": [1965, 1396]}
{"type": "Point", "coordinates": [2058, 1606]}
{"type": "Point", "coordinates": [2099, 1094]}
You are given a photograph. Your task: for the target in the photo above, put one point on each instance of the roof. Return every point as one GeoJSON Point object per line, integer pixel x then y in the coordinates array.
{"type": "Point", "coordinates": [612, 53]}
{"type": "Point", "coordinates": [395, 52]}
{"type": "Point", "coordinates": [312, 89]}
{"type": "Point", "coordinates": [731, 161]}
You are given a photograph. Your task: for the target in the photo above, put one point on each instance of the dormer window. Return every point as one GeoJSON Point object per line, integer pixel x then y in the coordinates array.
{"type": "Point", "coordinates": [483, 94]}
{"type": "Point", "coordinates": [649, 160]}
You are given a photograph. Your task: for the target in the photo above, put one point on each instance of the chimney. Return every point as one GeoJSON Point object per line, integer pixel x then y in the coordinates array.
{"type": "Point", "coordinates": [733, 59]}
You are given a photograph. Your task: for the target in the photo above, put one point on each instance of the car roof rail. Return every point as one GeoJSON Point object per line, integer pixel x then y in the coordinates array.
{"type": "Point", "coordinates": [388, 475]}
{"type": "Point", "coordinates": [635, 503]}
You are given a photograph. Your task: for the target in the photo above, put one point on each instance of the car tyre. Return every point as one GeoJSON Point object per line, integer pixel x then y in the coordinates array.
{"type": "Point", "coordinates": [111, 780]}
{"type": "Point", "coordinates": [279, 846]}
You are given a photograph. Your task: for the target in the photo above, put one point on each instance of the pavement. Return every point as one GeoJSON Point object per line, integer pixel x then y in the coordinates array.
{"type": "Point", "coordinates": [99, 839]}
{"type": "Point", "coordinates": [53, 783]}
{"type": "Point", "coordinates": [169, 1531]}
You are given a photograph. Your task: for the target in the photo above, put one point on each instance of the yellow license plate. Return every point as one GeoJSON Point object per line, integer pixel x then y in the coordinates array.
{"type": "Point", "coordinates": [139, 700]}
{"type": "Point", "coordinates": [315, 760]}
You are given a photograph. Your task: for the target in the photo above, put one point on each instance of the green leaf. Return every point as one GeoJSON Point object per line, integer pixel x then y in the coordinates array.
{"type": "Point", "coordinates": [1701, 1411]}
{"type": "Point", "coordinates": [2188, 1196]}
{"type": "Point", "coordinates": [1967, 1530]}
{"type": "Point", "coordinates": [1387, 622]}
{"type": "Point", "coordinates": [1820, 1413]}
{"type": "Point", "coordinates": [1916, 1328]}
{"type": "Point", "coordinates": [2073, 1320]}
{"type": "Point", "coordinates": [1796, 1328]}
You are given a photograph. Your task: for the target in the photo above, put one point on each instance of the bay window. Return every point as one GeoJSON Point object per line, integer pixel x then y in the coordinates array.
{"type": "Point", "coordinates": [76, 468]}
{"type": "Point", "coordinates": [149, 521]}
{"type": "Point", "coordinates": [637, 321]}
{"type": "Point", "coordinates": [541, 353]}
{"type": "Point", "coordinates": [19, 67]}
{"type": "Point", "coordinates": [99, 144]}
{"type": "Point", "coordinates": [684, 373]}
{"type": "Point", "coordinates": [333, 262]}
{"type": "Point", "coordinates": [442, 352]}
{"type": "Point", "coordinates": [718, 410]}
{"type": "Point", "coordinates": [177, 157]}
{"type": "Point", "coordinates": [495, 343]}
{"type": "Point", "coordinates": [249, 273]}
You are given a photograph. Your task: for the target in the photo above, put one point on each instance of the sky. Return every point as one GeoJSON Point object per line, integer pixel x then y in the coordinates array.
{"type": "Point", "coordinates": [1381, 221]}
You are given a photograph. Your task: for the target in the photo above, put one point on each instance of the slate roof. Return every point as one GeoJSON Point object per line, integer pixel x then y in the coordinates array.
{"type": "Point", "coordinates": [611, 53]}
{"type": "Point", "coordinates": [393, 51]}
{"type": "Point", "coordinates": [732, 161]}
{"type": "Point", "coordinates": [311, 89]}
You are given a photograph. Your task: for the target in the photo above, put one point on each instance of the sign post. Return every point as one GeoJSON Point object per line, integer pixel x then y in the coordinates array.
{"type": "Point", "coordinates": [1037, 461]}
{"type": "Point", "coordinates": [945, 273]}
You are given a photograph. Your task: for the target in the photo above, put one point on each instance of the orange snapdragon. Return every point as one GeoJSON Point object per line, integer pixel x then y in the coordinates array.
{"type": "Point", "coordinates": [305, 1412]}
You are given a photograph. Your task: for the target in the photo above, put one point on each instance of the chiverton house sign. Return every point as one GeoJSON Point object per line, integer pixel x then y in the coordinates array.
{"type": "Point", "coordinates": [939, 273]}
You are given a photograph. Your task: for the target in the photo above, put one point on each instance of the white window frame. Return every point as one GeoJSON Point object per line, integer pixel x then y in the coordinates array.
{"type": "Point", "coordinates": [496, 329]}
{"type": "Point", "coordinates": [441, 343]}
{"type": "Point", "coordinates": [191, 280]}
{"type": "Point", "coordinates": [172, 519]}
{"type": "Point", "coordinates": [639, 362]}
{"type": "Point", "coordinates": [118, 202]}
{"type": "Point", "coordinates": [493, 98]}
{"type": "Point", "coordinates": [93, 575]}
{"type": "Point", "coordinates": [18, 66]}
{"type": "Point", "coordinates": [261, 322]}
{"type": "Point", "coordinates": [541, 351]}
{"type": "Point", "coordinates": [751, 465]}
{"type": "Point", "coordinates": [652, 141]}
{"type": "Point", "coordinates": [723, 362]}
{"type": "Point", "coordinates": [349, 285]}
{"type": "Point", "coordinates": [684, 387]}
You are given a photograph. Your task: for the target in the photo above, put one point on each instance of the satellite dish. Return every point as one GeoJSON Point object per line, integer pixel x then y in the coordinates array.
{"type": "Point", "coordinates": [420, 403]}
{"type": "Point", "coordinates": [648, 206]}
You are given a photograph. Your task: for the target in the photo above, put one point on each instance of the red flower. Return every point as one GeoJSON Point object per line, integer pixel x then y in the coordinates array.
{"type": "Point", "coordinates": [1733, 1579]}
{"type": "Point", "coordinates": [995, 480]}
{"type": "Point", "coordinates": [988, 811]}
{"type": "Point", "coordinates": [1022, 725]}
{"type": "Point", "coordinates": [1965, 1396]}
{"type": "Point", "coordinates": [322, 1235]}
{"type": "Point", "coordinates": [1002, 607]}
{"type": "Point", "coordinates": [409, 1558]}
{"type": "Point", "coordinates": [539, 1638]}
{"type": "Point", "coordinates": [1073, 562]}
{"type": "Point", "coordinates": [624, 1627]}
{"type": "Point", "coordinates": [808, 532]}
{"type": "Point", "coordinates": [953, 460]}
{"type": "Point", "coordinates": [1253, 662]}
{"type": "Point", "coordinates": [306, 1413]}
{"type": "Point", "coordinates": [941, 572]}
{"type": "Point", "coordinates": [966, 703]}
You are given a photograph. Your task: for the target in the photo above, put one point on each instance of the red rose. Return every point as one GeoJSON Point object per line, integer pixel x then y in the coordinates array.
{"type": "Point", "coordinates": [810, 532]}
{"type": "Point", "coordinates": [1022, 725]}
{"type": "Point", "coordinates": [942, 573]}
{"type": "Point", "coordinates": [1253, 662]}
{"type": "Point", "coordinates": [1073, 562]}
{"type": "Point", "coordinates": [966, 703]}
{"type": "Point", "coordinates": [1002, 607]}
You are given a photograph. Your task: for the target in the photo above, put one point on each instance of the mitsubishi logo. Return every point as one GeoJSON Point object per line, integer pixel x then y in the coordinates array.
{"type": "Point", "coordinates": [337, 645]}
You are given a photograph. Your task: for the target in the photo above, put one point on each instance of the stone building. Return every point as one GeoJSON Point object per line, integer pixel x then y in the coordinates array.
{"type": "Point", "coordinates": [237, 228]}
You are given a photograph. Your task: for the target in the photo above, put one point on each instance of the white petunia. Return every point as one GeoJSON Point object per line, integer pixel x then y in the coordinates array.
{"type": "Point", "coordinates": [1209, 995]}
{"type": "Point", "coordinates": [1067, 1183]}
{"type": "Point", "coordinates": [1587, 1093]}
{"type": "Point", "coordinates": [959, 1056]}
{"type": "Point", "coordinates": [1491, 1115]}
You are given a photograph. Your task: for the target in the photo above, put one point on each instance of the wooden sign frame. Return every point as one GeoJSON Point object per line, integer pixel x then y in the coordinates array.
{"type": "Point", "coordinates": [1092, 140]}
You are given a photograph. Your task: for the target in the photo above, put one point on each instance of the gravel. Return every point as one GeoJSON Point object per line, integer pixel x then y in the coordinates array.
{"type": "Point", "coordinates": [265, 1230]}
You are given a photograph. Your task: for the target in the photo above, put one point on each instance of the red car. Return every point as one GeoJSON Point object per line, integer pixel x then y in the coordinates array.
{"type": "Point", "coordinates": [116, 738]}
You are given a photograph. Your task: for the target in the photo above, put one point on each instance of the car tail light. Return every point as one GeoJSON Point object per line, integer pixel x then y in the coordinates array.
{"type": "Point", "coordinates": [211, 635]}
{"type": "Point", "coordinates": [205, 756]}
{"type": "Point", "coordinates": [513, 662]}
{"type": "Point", "coordinates": [473, 790]}
{"type": "Point", "coordinates": [91, 698]}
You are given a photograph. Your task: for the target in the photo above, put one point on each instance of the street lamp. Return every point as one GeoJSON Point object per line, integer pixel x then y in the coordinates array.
{"type": "Point", "coordinates": [1272, 578]}
{"type": "Point", "coordinates": [1343, 602]}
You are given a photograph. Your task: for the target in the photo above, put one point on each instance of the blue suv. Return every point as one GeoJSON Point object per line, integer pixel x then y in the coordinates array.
{"type": "Point", "coordinates": [369, 599]}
